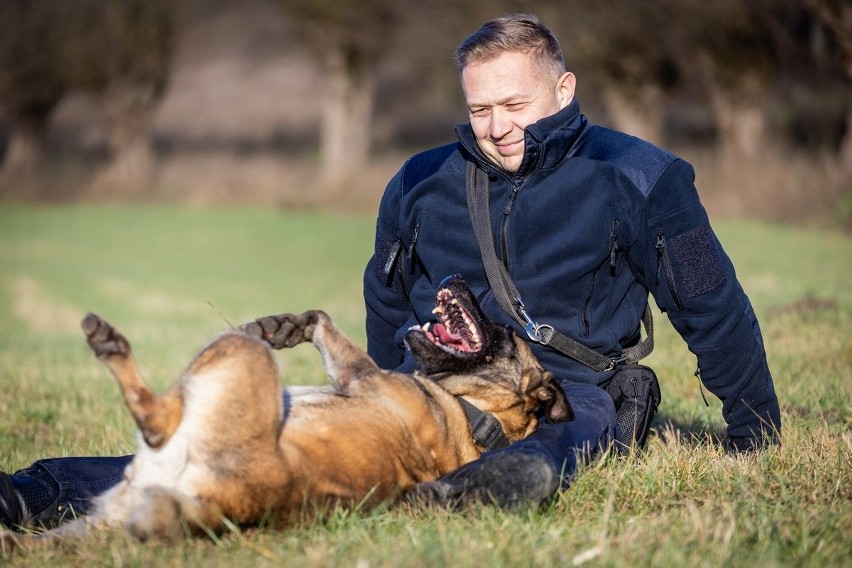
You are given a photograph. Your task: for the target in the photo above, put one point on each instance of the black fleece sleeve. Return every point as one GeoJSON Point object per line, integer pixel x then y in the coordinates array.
{"type": "Point", "coordinates": [683, 265]}
{"type": "Point", "coordinates": [387, 310]}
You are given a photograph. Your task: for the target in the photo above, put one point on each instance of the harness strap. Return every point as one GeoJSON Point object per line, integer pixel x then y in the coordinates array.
{"type": "Point", "coordinates": [484, 428]}
{"type": "Point", "coordinates": [510, 299]}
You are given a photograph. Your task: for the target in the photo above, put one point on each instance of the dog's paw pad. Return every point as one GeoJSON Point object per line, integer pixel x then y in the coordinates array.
{"type": "Point", "coordinates": [102, 337]}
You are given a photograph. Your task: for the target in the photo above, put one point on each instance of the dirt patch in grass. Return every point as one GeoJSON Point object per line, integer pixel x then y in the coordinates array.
{"type": "Point", "coordinates": [804, 307]}
{"type": "Point", "coordinates": [41, 313]}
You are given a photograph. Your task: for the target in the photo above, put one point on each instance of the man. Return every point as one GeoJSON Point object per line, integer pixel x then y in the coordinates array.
{"type": "Point", "coordinates": [586, 221]}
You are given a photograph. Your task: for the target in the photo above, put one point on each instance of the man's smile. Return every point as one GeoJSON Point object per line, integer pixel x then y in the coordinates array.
{"type": "Point", "coordinates": [509, 148]}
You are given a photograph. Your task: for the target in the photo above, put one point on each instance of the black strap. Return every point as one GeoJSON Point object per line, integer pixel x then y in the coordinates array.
{"type": "Point", "coordinates": [510, 299]}
{"type": "Point", "coordinates": [484, 428]}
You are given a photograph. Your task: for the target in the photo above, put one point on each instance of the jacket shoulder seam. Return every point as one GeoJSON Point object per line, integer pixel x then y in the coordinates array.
{"type": "Point", "coordinates": [640, 161]}
{"type": "Point", "coordinates": [425, 164]}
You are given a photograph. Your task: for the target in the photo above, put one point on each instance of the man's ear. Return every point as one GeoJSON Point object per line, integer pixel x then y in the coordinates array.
{"type": "Point", "coordinates": [565, 89]}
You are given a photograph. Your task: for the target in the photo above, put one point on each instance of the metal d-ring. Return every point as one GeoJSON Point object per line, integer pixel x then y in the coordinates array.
{"type": "Point", "coordinates": [533, 329]}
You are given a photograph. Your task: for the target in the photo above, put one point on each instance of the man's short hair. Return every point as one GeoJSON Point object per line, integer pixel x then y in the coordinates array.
{"type": "Point", "coordinates": [516, 33]}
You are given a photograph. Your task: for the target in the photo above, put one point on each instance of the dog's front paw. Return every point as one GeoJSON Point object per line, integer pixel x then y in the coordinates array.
{"type": "Point", "coordinates": [277, 331]}
{"type": "Point", "coordinates": [285, 330]}
{"type": "Point", "coordinates": [103, 338]}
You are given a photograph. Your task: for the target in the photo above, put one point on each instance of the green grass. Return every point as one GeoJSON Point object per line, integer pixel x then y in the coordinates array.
{"type": "Point", "coordinates": [172, 277]}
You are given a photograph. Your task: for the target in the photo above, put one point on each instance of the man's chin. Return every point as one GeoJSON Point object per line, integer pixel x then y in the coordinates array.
{"type": "Point", "coordinates": [508, 163]}
{"type": "Point", "coordinates": [511, 164]}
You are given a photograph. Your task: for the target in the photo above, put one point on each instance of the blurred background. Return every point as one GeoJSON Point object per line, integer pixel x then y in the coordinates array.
{"type": "Point", "coordinates": [316, 103]}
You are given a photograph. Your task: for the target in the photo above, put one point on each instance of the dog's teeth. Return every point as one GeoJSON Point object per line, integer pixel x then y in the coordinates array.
{"type": "Point", "coordinates": [425, 327]}
{"type": "Point", "coordinates": [474, 336]}
{"type": "Point", "coordinates": [438, 310]}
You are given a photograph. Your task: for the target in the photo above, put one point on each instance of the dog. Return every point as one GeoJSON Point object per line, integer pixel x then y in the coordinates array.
{"type": "Point", "coordinates": [223, 445]}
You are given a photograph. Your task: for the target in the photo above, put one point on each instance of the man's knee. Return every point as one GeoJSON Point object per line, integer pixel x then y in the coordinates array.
{"type": "Point", "coordinates": [594, 413]}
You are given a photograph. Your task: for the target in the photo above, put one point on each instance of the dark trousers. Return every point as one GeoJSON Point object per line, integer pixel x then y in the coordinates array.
{"type": "Point", "coordinates": [565, 445]}
{"type": "Point", "coordinates": [80, 479]}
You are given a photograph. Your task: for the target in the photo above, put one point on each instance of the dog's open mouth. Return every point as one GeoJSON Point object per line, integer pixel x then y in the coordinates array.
{"type": "Point", "coordinates": [456, 329]}
{"type": "Point", "coordinates": [462, 337]}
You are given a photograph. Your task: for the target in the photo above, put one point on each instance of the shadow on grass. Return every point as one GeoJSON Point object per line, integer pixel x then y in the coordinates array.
{"type": "Point", "coordinates": [693, 434]}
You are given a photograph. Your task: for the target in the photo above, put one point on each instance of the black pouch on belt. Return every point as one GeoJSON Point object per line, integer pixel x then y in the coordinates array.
{"type": "Point", "coordinates": [636, 393]}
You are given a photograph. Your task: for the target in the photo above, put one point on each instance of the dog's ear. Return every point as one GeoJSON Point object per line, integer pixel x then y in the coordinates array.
{"type": "Point", "coordinates": [550, 396]}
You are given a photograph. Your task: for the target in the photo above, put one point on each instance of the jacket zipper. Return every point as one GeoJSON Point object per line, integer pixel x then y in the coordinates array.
{"type": "Point", "coordinates": [588, 302]}
{"type": "Point", "coordinates": [613, 245]}
{"type": "Point", "coordinates": [663, 262]}
{"type": "Point", "coordinates": [406, 265]}
{"type": "Point", "coordinates": [613, 249]}
{"type": "Point", "coordinates": [504, 229]}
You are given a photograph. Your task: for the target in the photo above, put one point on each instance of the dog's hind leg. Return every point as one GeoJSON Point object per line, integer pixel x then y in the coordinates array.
{"type": "Point", "coordinates": [157, 416]}
{"type": "Point", "coordinates": [344, 361]}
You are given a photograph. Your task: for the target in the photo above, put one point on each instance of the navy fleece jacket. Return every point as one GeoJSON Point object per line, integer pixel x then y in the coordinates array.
{"type": "Point", "coordinates": [592, 222]}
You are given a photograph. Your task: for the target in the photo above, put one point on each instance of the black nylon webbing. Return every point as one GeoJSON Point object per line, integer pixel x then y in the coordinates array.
{"type": "Point", "coordinates": [484, 427]}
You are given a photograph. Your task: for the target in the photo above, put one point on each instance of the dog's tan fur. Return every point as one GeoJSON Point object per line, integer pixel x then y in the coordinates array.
{"type": "Point", "coordinates": [220, 445]}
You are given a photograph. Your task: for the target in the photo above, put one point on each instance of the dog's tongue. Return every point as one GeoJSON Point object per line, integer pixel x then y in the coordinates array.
{"type": "Point", "coordinates": [447, 337]}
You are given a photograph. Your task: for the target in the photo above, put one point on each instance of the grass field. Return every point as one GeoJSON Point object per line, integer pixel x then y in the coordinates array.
{"type": "Point", "coordinates": [171, 277]}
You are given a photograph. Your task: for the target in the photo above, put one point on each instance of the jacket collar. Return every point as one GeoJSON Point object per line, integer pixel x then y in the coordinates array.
{"type": "Point", "coordinates": [546, 142]}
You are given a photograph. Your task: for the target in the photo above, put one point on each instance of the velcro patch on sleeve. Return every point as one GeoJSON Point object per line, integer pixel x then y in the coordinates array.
{"type": "Point", "coordinates": [699, 261]}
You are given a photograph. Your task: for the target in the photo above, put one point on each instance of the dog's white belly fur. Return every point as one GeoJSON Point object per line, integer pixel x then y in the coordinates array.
{"type": "Point", "coordinates": [298, 394]}
{"type": "Point", "coordinates": [169, 466]}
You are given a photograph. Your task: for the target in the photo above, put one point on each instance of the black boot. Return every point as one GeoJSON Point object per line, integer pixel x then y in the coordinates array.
{"type": "Point", "coordinates": [511, 480]}
{"type": "Point", "coordinates": [29, 499]}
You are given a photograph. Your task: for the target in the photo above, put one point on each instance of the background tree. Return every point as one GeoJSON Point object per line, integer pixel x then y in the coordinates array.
{"type": "Point", "coordinates": [836, 16]}
{"type": "Point", "coordinates": [350, 39]}
{"type": "Point", "coordinates": [694, 75]}
{"type": "Point", "coordinates": [626, 49]}
{"type": "Point", "coordinates": [117, 52]}
{"type": "Point", "coordinates": [31, 82]}
{"type": "Point", "coordinates": [731, 49]}
{"type": "Point", "coordinates": [736, 59]}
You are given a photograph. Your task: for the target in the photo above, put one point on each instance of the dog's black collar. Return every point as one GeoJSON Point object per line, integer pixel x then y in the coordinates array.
{"type": "Point", "coordinates": [484, 428]}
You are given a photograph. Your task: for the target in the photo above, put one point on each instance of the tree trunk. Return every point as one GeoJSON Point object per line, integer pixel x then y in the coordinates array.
{"type": "Point", "coordinates": [844, 153]}
{"type": "Point", "coordinates": [640, 113]}
{"type": "Point", "coordinates": [740, 115]}
{"type": "Point", "coordinates": [129, 172]}
{"type": "Point", "coordinates": [346, 117]}
{"type": "Point", "coordinates": [129, 112]}
{"type": "Point", "coordinates": [845, 150]}
{"type": "Point", "coordinates": [837, 18]}
{"type": "Point", "coordinates": [25, 150]}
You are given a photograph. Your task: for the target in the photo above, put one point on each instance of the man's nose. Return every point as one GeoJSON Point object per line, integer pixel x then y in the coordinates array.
{"type": "Point", "coordinates": [500, 124]}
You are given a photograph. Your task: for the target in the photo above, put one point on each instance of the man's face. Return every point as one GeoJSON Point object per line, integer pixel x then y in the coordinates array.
{"type": "Point", "coordinates": [506, 94]}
